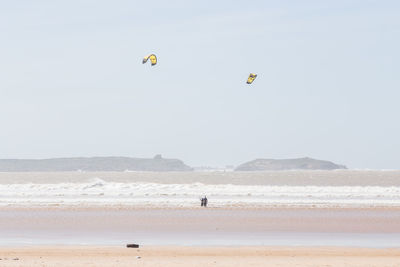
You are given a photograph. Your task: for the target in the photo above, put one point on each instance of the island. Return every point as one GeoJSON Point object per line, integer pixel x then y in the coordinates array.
{"type": "Point", "coordinates": [288, 164]}
{"type": "Point", "coordinates": [158, 163]}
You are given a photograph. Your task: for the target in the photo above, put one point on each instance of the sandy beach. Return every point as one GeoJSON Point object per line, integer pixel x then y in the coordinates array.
{"type": "Point", "coordinates": [197, 256]}
{"type": "Point", "coordinates": [84, 219]}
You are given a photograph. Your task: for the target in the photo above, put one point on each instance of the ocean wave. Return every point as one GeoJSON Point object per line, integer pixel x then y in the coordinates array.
{"type": "Point", "coordinates": [97, 191]}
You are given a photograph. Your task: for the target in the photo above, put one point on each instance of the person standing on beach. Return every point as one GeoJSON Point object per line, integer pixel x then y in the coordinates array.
{"type": "Point", "coordinates": [204, 201]}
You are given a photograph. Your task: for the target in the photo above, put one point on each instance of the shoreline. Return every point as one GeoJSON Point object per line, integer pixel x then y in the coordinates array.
{"type": "Point", "coordinates": [169, 256]}
{"type": "Point", "coordinates": [113, 207]}
{"type": "Point", "coordinates": [321, 250]}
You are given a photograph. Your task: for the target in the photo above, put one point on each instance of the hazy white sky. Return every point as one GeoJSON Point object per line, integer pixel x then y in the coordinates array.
{"type": "Point", "coordinates": [328, 86]}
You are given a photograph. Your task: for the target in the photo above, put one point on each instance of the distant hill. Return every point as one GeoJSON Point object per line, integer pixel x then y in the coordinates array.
{"type": "Point", "coordinates": [93, 164]}
{"type": "Point", "coordinates": [288, 164]}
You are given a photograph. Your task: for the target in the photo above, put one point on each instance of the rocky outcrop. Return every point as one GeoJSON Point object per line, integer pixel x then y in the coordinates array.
{"type": "Point", "coordinates": [93, 164]}
{"type": "Point", "coordinates": [288, 164]}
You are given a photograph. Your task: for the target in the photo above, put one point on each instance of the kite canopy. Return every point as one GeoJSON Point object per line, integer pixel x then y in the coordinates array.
{"type": "Point", "coordinates": [251, 78]}
{"type": "Point", "coordinates": [152, 57]}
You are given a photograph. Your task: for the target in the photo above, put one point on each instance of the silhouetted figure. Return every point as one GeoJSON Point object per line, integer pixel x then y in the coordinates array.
{"type": "Point", "coordinates": [204, 201]}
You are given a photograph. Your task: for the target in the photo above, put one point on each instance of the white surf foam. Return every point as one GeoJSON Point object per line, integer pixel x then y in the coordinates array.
{"type": "Point", "coordinates": [99, 192]}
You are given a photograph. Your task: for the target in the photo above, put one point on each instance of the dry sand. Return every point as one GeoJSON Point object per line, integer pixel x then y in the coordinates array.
{"type": "Point", "coordinates": [197, 256]}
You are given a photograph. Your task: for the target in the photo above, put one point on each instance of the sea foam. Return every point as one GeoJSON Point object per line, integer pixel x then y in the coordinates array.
{"type": "Point", "coordinates": [100, 192]}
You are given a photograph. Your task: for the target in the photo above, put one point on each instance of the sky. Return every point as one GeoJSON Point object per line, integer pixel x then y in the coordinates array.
{"type": "Point", "coordinates": [328, 87]}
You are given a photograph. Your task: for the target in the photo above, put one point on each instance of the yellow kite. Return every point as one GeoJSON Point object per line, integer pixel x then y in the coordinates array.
{"type": "Point", "coordinates": [152, 57]}
{"type": "Point", "coordinates": [251, 78]}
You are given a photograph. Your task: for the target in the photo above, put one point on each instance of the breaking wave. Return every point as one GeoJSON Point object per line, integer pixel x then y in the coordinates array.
{"type": "Point", "coordinates": [99, 192]}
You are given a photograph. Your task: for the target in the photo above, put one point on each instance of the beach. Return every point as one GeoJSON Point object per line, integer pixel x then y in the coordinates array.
{"type": "Point", "coordinates": [306, 219]}
{"type": "Point", "coordinates": [369, 227]}
{"type": "Point", "coordinates": [198, 256]}
{"type": "Point", "coordinates": [81, 236]}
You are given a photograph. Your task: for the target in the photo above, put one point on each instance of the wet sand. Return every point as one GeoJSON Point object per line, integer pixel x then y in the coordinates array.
{"type": "Point", "coordinates": [378, 220]}
{"type": "Point", "coordinates": [201, 227]}
{"type": "Point", "coordinates": [199, 237]}
{"type": "Point", "coordinates": [197, 256]}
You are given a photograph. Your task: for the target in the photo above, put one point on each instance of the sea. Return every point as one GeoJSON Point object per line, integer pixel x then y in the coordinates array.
{"type": "Point", "coordinates": [341, 188]}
